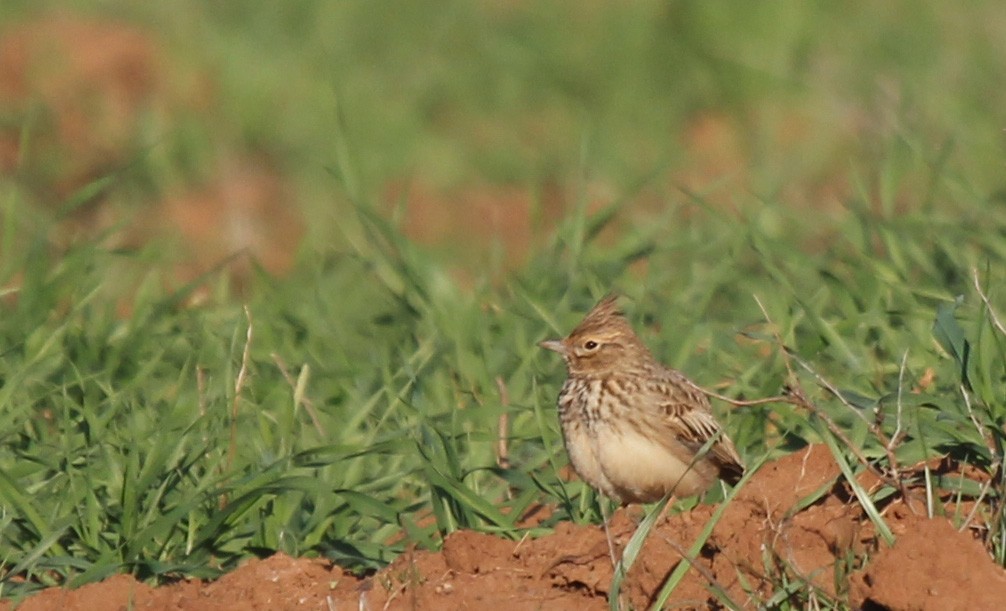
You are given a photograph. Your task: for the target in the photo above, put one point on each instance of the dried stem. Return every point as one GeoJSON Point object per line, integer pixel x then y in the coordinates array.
{"type": "Point", "coordinates": [303, 400]}
{"type": "Point", "coordinates": [503, 431]}
{"type": "Point", "coordinates": [201, 389]}
{"type": "Point", "coordinates": [996, 466]}
{"type": "Point", "coordinates": [898, 433]}
{"type": "Point", "coordinates": [744, 403]}
{"type": "Point", "coordinates": [988, 305]}
{"type": "Point", "coordinates": [239, 383]}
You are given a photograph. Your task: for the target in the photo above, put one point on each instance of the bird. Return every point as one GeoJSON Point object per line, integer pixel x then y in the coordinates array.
{"type": "Point", "coordinates": [634, 429]}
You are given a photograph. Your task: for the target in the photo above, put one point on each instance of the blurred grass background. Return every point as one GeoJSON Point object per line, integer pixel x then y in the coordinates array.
{"type": "Point", "coordinates": [498, 105]}
{"type": "Point", "coordinates": [418, 193]}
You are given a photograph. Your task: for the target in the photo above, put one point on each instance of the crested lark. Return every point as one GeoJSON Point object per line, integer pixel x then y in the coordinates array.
{"type": "Point", "coordinates": [635, 429]}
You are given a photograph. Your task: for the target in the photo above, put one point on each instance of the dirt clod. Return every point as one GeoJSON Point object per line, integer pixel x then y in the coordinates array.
{"type": "Point", "coordinates": [932, 565]}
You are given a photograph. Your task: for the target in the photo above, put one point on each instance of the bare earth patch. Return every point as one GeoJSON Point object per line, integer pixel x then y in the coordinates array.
{"type": "Point", "coordinates": [763, 538]}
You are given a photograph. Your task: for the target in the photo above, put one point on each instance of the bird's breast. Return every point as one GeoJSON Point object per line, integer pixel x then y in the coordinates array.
{"type": "Point", "coordinates": [644, 468]}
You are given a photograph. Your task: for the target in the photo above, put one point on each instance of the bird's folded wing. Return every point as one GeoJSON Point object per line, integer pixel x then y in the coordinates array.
{"type": "Point", "coordinates": [697, 428]}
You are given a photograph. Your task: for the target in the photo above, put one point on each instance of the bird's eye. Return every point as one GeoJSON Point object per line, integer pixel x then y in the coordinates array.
{"type": "Point", "coordinates": [590, 344]}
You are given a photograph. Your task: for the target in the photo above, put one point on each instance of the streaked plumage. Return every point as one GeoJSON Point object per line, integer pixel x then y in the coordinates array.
{"type": "Point", "coordinates": [635, 429]}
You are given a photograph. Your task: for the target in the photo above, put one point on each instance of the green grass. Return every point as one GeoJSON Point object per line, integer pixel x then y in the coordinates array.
{"type": "Point", "coordinates": [358, 399]}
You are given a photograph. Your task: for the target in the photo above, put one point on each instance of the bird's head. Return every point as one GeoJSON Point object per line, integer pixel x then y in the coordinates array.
{"type": "Point", "coordinates": [602, 343]}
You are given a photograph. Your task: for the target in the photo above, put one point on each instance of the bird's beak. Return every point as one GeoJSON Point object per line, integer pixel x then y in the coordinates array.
{"type": "Point", "coordinates": [554, 345]}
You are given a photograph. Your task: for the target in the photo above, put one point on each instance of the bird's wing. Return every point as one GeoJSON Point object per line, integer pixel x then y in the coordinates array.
{"type": "Point", "coordinates": [685, 410]}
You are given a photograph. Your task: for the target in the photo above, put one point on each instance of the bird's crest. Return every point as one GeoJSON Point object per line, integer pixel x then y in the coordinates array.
{"type": "Point", "coordinates": [605, 315]}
